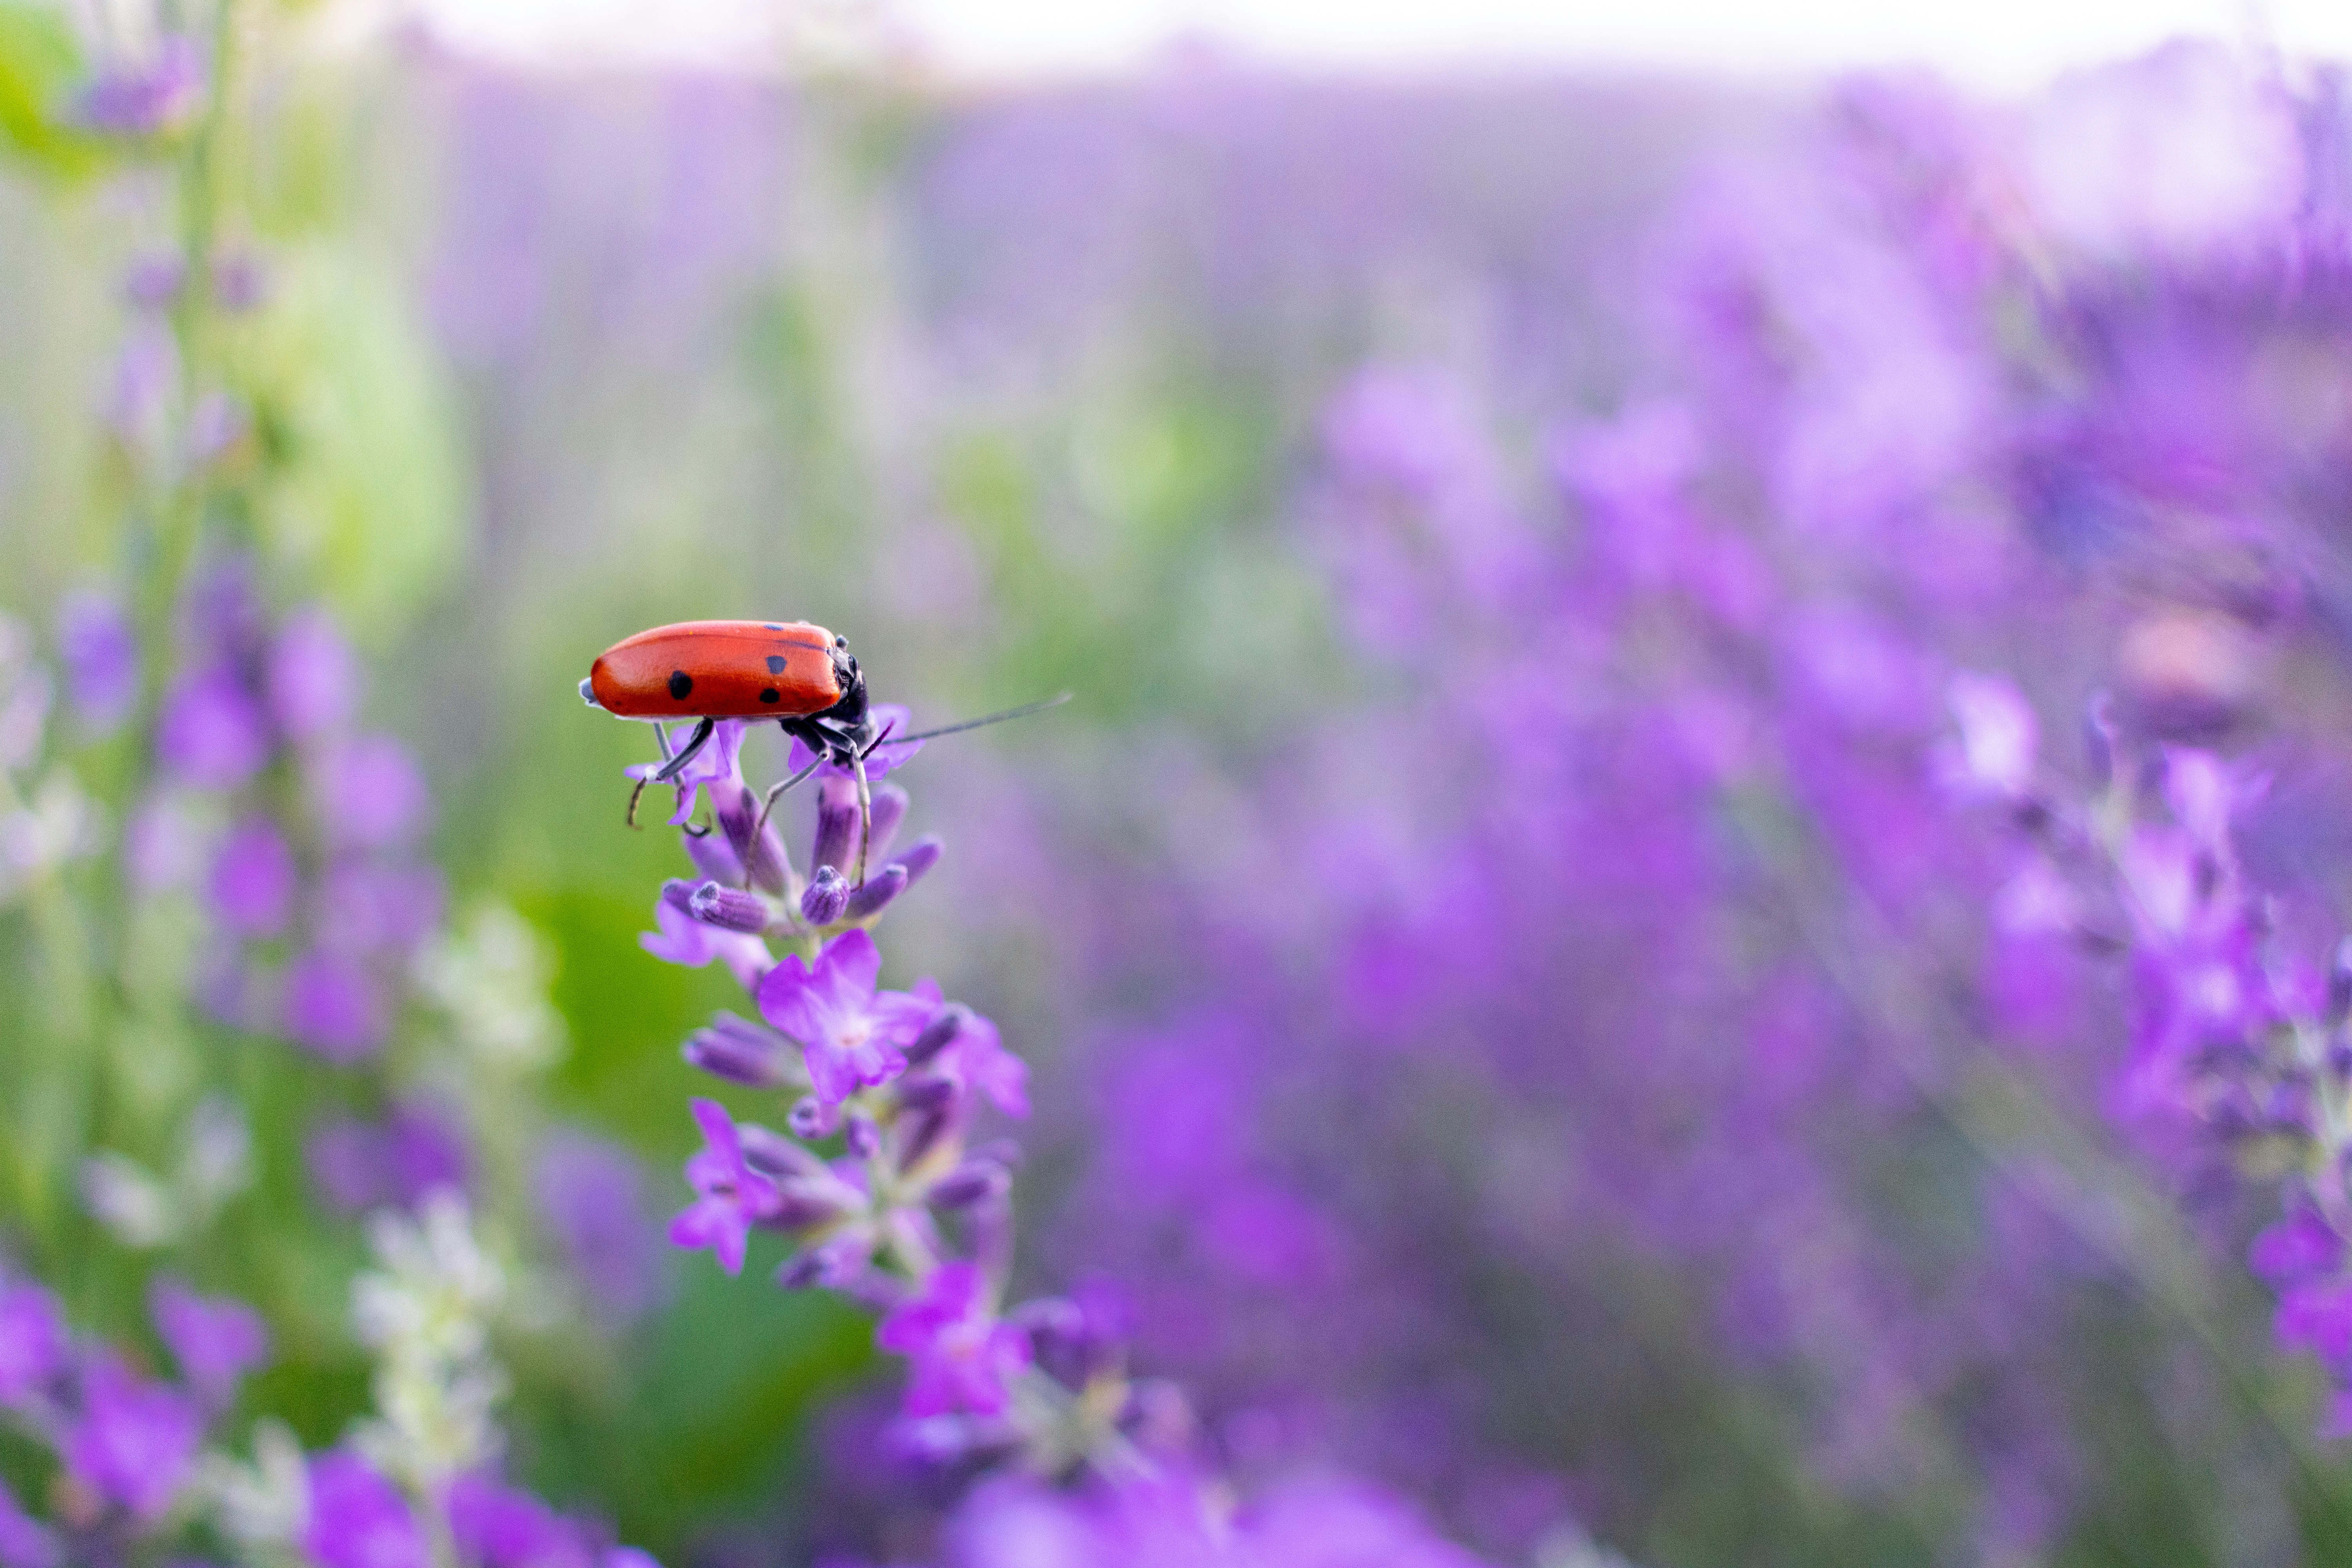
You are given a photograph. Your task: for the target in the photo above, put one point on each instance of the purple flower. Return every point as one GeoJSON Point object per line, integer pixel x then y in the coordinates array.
{"type": "Point", "coordinates": [729, 1197]}
{"type": "Point", "coordinates": [152, 281]}
{"type": "Point", "coordinates": [2301, 1246]}
{"type": "Point", "coordinates": [32, 1343]}
{"type": "Point", "coordinates": [593, 1193]}
{"type": "Point", "coordinates": [254, 878]}
{"type": "Point", "coordinates": [2318, 1316]}
{"type": "Point", "coordinates": [964, 1357]}
{"type": "Point", "coordinates": [359, 1165]}
{"type": "Point", "coordinates": [358, 1519]}
{"type": "Point", "coordinates": [145, 98]}
{"type": "Point", "coordinates": [26, 1543]}
{"type": "Point", "coordinates": [496, 1526]}
{"type": "Point", "coordinates": [370, 792]}
{"type": "Point", "coordinates": [370, 908]}
{"type": "Point", "coordinates": [213, 735]}
{"type": "Point", "coordinates": [334, 1008]}
{"type": "Point", "coordinates": [852, 1034]}
{"type": "Point", "coordinates": [312, 679]}
{"type": "Point", "coordinates": [893, 717]}
{"type": "Point", "coordinates": [100, 649]}
{"type": "Point", "coordinates": [133, 1443]}
{"type": "Point", "coordinates": [215, 1339]}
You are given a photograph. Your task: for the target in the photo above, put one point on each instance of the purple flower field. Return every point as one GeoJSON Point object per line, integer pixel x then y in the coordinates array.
{"type": "Point", "coordinates": [1694, 905]}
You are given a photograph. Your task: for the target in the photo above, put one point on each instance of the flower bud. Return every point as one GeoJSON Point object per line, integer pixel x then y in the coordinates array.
{"type": "Point", "coordinates": [810, 1118]}
{"type": "Point", "coordinates": [877, 894]}
{"type": "Point", "coordinates": [939, 1034]}
{"type": "Point", "coordinates": [761, 853]}
{"type": "Point", "coordinates": [771, 1153]}
{"type": "Point", "coordinates": [2339, 985]}
{"type": "Point", "coordinates": [973, 1182]}
{"type": "Point", "coordinates": [836, 1262]}
{"type": "Point", "coordinates": [713, 858]}
{"type": "Point", "coordinates": [729, 908]}
{"type": "Point", "coordinates": [740, 1052]}
{"type": "Point", "coordinates": [920, 857]}
{"type": "Point", "coordinates": [889, 810]}
{"type": "Point", "coordinates": [827, 897]}
{"type": "Point", "coordinates": [926, 1092]}
{"type": "Point", "coordinates": [924, 1129]}
{"type": "Point", "coordinates": [836, 824]}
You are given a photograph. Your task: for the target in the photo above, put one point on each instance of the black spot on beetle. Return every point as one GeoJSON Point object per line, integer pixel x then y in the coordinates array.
{"type": "Point", "coordinates": [680, 683]}
{"type": "Point", "coordinates": [775, 664]}
{"type": "Point", "coordinates": [770, 694]}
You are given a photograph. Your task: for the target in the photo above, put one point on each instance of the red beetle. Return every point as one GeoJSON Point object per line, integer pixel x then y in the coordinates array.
{"type": "Point", "coordinates": [800, 675]}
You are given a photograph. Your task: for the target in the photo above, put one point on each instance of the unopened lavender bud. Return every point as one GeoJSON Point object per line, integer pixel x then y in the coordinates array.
{"type": "Point", "coordinates": [923, 1131]}
{"type": "Point", "coordinates": [874, 897]}
{"type": "Point", "coordinates": [729, 908]}
{"type": "Point", "coordinates": [889, 811]}
{"type": "Point", "coordinates": [926, 1092]}
{"type": "Point", "coordinates": [920, 857]}
{"type": "Point", "coordinates": [1058, 1337]}
{"type": "Point", "coordinates": [973, 1182]}
{"type": "Point", "coordinates": [740, 1052]}
{"type": "Point", "coordinates": [2339, 985]}
{"type": "Point", "coordinates": [678, 894]}
{"type": "Point", "coordinates": [939, 1034]}
{"type": "Point", "coordinates": [863, 1138]}
{"type": "Point", "coordinates": [771, 1153]}
{"type": "Point", "coordinates": [762, 853]}
{"type": "Point", "coordinates": [834, 1263]}
{"type": "Point", "coordinates": [836, 825]}
{"type": "Point", "coordinates": [827, 897]}
{"type": "Point", "coordinates": [810, 1118]}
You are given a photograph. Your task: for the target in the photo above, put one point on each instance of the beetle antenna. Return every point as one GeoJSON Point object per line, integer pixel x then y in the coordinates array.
{"type": "Point", "coordinates": [1021, 712]}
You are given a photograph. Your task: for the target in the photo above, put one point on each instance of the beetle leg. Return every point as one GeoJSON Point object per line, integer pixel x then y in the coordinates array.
{"type": "Point", "coordinates": [676, 764]}
{"type": "Point", "coordinates": [768, 804]}
{"type": "Point", "coordinates": [634, 796]}
{"type": "Point", "coordinates": [864, 813]}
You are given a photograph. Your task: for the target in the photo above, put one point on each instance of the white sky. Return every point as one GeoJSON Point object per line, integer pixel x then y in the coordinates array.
{"type": "Point", "coordinates": [1999, 44]}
